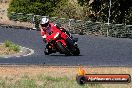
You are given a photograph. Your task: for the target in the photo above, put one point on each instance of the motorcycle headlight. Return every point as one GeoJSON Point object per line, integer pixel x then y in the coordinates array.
{"type": "Point", "coordinates": [57, 34]}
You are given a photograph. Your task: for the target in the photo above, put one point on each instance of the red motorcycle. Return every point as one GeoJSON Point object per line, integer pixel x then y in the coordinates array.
{"type": "Point", "coordinates": [62, 42]}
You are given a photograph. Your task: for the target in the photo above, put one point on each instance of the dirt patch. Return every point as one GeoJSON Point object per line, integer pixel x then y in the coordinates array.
{"type": "Point", "coordinates": [3, 10]}
{"type": "Point", "coordinates": [5, 20]}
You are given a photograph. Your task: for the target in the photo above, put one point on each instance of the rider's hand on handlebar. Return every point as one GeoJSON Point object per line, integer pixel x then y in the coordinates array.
{"type": "Point", "coordinates": [62, 29]}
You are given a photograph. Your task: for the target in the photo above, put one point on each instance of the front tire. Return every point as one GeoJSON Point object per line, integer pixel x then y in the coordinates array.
{"type": "Point", "coordinates": [63, 49]}
{"type": "Point", "coordinates": [76, 51]}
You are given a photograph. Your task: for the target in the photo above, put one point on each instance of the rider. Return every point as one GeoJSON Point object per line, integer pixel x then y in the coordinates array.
{"type": "Point", "coordinates": [46, 28]}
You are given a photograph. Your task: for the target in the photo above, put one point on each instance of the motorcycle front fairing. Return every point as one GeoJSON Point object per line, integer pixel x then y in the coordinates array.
{"type": "Point", "coordinates": [57, 36]}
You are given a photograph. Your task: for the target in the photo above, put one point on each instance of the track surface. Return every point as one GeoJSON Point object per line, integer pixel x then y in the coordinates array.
{"type": "Point", "coordinates": [95, 51]}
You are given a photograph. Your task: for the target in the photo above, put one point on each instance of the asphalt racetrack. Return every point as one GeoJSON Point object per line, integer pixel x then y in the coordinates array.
{"type": "Point", "coordinates": [95, 50]}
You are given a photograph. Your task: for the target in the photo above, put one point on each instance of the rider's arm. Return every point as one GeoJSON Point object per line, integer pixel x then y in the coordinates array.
{"type": "Point", "coordinates": [44, 38]}
{"type": "Point", "coordinates": [61, 28]}
{"type": "Point", "coordinates": [64, 30]}
{"type": "Point", "coordinates": [43, 34]}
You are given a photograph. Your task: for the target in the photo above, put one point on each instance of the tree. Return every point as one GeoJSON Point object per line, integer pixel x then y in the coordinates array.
{"type": "Point", "coordinates": [38, 7]}
{"type": "Point", "coordinates": [120, 12]}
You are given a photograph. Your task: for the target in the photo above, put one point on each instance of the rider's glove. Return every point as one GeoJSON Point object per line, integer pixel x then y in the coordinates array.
{"type": "Point", "coordinates": [63, 30]}
{"type": "Point", "coordinates": [44, 38]}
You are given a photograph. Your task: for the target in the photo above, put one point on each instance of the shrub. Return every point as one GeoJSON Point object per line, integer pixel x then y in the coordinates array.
{"type": "Point", "coordinates": [8, 43]}
{"type": "Point", "coordinates": [15, 48]}
{"type": "Point", "coordinates": [60, 8]}
{"type": "Point", "coordinates": [12, 46]}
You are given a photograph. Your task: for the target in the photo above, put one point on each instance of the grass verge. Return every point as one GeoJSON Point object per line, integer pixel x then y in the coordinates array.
{"type": "Point", "coordinates": [12, 46]}
{"type": "Point", "coordinates": [42, 81]}
{"type": "Point", "coordinates": [55, 77]}
{"type": "Point", "coordinates": [8, 48]}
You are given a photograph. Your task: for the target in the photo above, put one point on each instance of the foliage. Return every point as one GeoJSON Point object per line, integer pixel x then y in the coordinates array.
{"type": "Point", "coordinates": [12, 46]}
{"type": "Point", "coordinates": [94, 10]}
{"type": "Point", "coordinates": [59, 8]}
{"type": "Point", "coordinates": [70, 11]}
{"type": "Point", "coordinates": [8, 43]}
{"type": "Point", "coordinates": [121, 10]}
{"type": "Point", "coordinates": [38, 7]}
{"type": "Point", "coordinates": [44, 82]}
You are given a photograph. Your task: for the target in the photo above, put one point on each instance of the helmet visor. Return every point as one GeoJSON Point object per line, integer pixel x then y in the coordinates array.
{"type": "Point", "coordinates": [44, 25]}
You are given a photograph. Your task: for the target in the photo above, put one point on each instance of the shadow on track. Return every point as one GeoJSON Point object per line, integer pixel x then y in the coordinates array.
{"type": "Point", "coordinates": [64, 55]}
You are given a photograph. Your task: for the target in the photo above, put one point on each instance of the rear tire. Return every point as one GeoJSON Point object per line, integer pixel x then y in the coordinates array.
{"type": "Point", "coordinates": [63, 49]}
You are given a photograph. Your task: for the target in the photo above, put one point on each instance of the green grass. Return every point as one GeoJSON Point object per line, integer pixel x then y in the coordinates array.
{"type": "Point", "coordinates": [43, 81]}
{"type": "Point", "coordinates": [12, 46]}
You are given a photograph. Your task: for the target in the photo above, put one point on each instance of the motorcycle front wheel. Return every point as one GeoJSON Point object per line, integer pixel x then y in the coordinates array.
{"type": "Point", "coordinates": [63, 49]}
{"type": "Point", "coordinates": [76, 51]}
